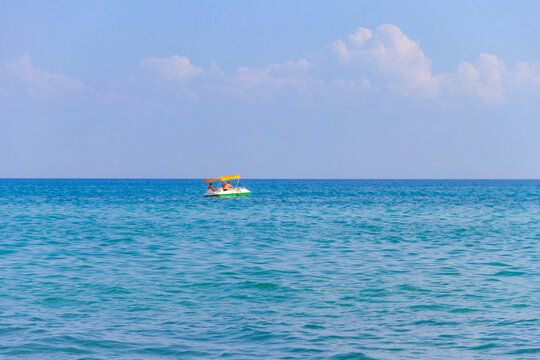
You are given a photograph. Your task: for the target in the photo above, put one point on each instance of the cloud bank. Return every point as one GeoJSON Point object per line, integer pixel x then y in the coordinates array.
{"type": "Point", "coordinates": [384, 59]}
{"type": "Point", "coordinates": [404, 68]}
{"type": "Point", "coordinates": [380, 62]}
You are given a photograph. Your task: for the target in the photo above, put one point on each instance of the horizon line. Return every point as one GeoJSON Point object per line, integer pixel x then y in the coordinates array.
{"type": "Point", "coordinates": [200, 178]}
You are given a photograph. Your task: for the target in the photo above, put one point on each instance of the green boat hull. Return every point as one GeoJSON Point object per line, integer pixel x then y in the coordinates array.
{"type": "Point", "coordinates": [230, 195]}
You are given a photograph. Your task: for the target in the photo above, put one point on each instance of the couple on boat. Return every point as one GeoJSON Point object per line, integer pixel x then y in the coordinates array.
{"type": "Point", "coordinates": [226, 186]}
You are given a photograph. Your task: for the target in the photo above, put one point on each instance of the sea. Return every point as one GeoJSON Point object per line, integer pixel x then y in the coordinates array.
{"type": "Point", "coordinates": [301, 269]}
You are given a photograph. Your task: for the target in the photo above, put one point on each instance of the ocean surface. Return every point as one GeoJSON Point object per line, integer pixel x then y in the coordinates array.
{"type": "Point", "coordinates": [302, 269]}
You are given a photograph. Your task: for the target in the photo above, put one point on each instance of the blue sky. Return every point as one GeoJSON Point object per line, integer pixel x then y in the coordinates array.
{"type": "Point", "coordinates": [274, 89]}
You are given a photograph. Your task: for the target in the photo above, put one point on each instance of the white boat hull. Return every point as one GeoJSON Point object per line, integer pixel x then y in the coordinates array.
{"type": "Point", "coordinates": [241, 191]}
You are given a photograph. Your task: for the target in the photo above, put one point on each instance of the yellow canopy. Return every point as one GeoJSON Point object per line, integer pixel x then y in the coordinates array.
{"type": "Point", "coordinates": [224, 178]}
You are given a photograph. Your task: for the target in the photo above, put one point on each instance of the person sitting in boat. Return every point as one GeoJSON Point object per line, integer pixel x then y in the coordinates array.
{"type": "Point", "coordinates": [227, 186]}
{"type": "Point", "coordinates": [211, 188]}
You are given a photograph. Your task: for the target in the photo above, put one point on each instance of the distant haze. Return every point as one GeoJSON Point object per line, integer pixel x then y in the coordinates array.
{"type": "Point", "coordinates": [276, 89]}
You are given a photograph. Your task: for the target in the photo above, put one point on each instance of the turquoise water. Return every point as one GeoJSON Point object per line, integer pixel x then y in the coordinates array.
{"type": "Point", "coordinates": [149, 269]}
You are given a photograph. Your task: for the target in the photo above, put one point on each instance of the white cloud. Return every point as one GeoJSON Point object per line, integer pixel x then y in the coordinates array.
{"type": "Point", "coordinates": [38, 82]}
{"type": "Point", "coordinates": [526, 77]}
{"type": "Point", "coordinates": [340, 48]}
{"type": "Point", "coordinates": [173, 67]}
{"type": "Point", "coordinates": [485, 81]}
{"type": "Point", "coordinates": [491, 82]}
{"type": "Point", "coordinates": [394, 55]}
{"type": "Point", "coordinates": [272, 80]}
{"type": "Point", "coordinates": [275, 75]}
{"type": "Point", "coordinates": [360, 37]}
{"type": "Point", "coordinates": [351, 85]}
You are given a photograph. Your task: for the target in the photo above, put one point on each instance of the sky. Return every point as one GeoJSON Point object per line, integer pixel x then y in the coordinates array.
{"type": "Point", "coordinates": [270, 89]}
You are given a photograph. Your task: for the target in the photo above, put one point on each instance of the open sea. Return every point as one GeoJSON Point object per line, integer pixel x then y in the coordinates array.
{"type": "Point", "coordinates": [302, 269]}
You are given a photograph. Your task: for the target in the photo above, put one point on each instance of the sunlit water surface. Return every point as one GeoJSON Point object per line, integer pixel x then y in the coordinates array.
{"type": "Point", "coordinates": [148, 269]}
